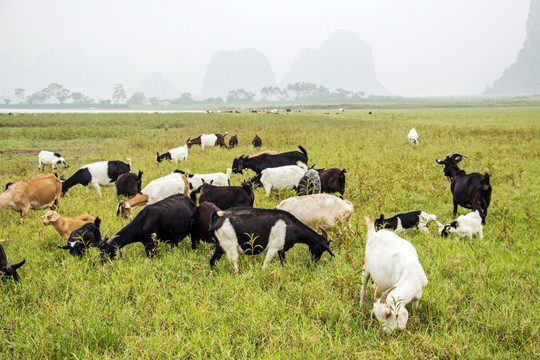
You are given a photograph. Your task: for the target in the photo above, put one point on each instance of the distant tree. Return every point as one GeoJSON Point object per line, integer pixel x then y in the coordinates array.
{"type": "Point", "coordinates": [7, 101]}
{"type": "Point", "coordinates": [38, 97]}
{"type": "Point", "coordinates": [79, 98]}
{"type": "Point", "coordinates": [20, 94]}
{"type": "Point", "coordinates": [104, 102]}
{"type": "Point", "coordinates": [119, 94]}
{"type": "Point", "coordinates": [63, 95]}
{"type": "Point", "coordinates": [274, 93]}
{"type": "Point", "coordinates": [136, 99]}
{"type": "Point", "coordinates": [240, 95]}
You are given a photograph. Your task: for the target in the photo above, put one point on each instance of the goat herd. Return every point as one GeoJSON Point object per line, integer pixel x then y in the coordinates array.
{"type": "Point", "coordinates": [225, 215]}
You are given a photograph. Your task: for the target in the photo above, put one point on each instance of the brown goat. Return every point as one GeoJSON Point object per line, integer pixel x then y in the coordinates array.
{"type": "Point", "coordinates": [65, 225]}
{"type": "Point", "coordinates": [39, 192]}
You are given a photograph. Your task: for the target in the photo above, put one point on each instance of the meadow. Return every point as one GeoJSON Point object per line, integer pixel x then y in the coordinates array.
{"type": "Point", "coordinates": [482, 300]}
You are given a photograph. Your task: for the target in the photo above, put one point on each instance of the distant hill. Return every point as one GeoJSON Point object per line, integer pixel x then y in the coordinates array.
{"type": "Point", "coordinates": [523, 77]}
{"type": "Point", "coordinates": [343, 61]}
{"type": "Point", "coordinates": [156, 86]}
{"type": "Point", "coordinates": [246, 69]}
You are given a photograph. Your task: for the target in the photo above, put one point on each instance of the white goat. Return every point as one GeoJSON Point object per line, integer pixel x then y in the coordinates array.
{"type": "Point", "coordinates": [464, 226]}
{"type": "Point", "coordinates": [175, 154]}
{"type": "Point", "coordinates": [413, 136]}
{"type": "Point", "coordinates": [284, 177]}
{"type": "Point", "coordinates": [392, 263]}
{"type": "Point", "coordinates": [218, 179]}
{"type": "Point", "coordinates": [50, 158]}
{"type": "Point", "coordinates": [318, 209]}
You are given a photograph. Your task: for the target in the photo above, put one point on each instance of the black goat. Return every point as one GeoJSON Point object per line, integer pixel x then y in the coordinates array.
{"type": "Point", "coordinates": [332, 180]}
{"type": "Point", "coordinates": [257, 141]}
{"type": "Point", "coordinates": [6, 269]}
{"type": "Point", "coordinates": [83, 237]}
{"type": "Point", "coordinates": [129, 184]}
{"type": "Point", "coordinates": [233, 141]}
{"type": "Point", "coordinates": [225, 197]}
{"type": "Point", "coordinates": [264, 161]}
{"type": "Point", "coordinates": [471, 191]}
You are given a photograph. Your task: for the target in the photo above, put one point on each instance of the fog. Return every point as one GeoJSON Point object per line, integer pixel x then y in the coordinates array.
{"type": "Point", "coordinates": [420, 47]}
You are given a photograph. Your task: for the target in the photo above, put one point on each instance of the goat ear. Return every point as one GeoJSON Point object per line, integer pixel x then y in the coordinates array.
{"type": "Point", "coordinates": [440, 162]}
{"type": "Point", "coordinates": [16, 266]}
{"type": "Point", "coordinates": [323, 233]}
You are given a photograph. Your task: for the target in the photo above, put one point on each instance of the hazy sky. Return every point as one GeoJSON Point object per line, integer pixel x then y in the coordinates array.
{"type": "Point", "coordinates": [420, 47]}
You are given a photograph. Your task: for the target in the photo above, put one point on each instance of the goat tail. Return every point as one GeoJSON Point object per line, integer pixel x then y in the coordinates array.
{"type": "Point", "coordinates": [302, 150]}
{"type": "Point", "coordinates": [370, 227]}
{"type": "Point", "coordinates": [485, 183]}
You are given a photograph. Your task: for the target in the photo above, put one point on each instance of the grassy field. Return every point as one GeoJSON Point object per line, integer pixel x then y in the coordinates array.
{"type": "Point", "coordinates": [482, 300]}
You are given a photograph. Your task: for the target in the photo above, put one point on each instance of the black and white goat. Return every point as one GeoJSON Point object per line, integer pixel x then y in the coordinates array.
{"type": "Point", "coordinates": [464, 226]}
{"type": "Point", "coordinates": [178, 153]}
{"type": "Point", "coordinates": [101, 173]}
{"type": "Point", "coordinates": [81, 238]}
{"type": "Point", "coordinates": [225, 197]}
{"type": "Point", "coordinates": [471, 191]}
{"type": "Point", "coordinates": [406, 221]}
{"type": "Point", "coordinates": [251, 231]}
{"type": "Point", "coordinates": [50, 158]}
{"type": "Point", "coordinates": [392, 263]}
{"type": "Point", "coordinates": [171, 220]}
{"type": "Point", "coordinates": [129, 184]}
{"type": "Point", "coordinates": [6, 269]}
{"type": "Point", "coordinates": [208, 140]}
{"type": "Point", "coordinates": [264, 161]}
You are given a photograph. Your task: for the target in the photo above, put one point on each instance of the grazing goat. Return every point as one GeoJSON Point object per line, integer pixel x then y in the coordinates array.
{"type": "Point", "coordinates": [282, 177]}
{"type": "Point", "coordinates": [129, 184]}
{"type": "Point", "coordinates": [38, 192]}
{"type": "Point", "coordinates": [83, 237]}
{"type": "Point", "coordinates": [471, 191]}
{"type": "Point", "coordinates": [315, 210]}
{"type": "Point", "coordinates": [48, 157]}
{"type": "Point", "coordinates": [406, 221]}
{"type": "Point", "coordinates": [251, 231]}
{"type": "Point", "coordinates": [310, 183]}
{"type": "Point", "coordinates": [464, 226]}
{"type": "Point", "coordinates": [179, 153]}
{"type": "Point", "coordinates": [171, 220]}
{"type": "Point", "coordinates": [6, 269]}
{"type": "Point", "coordinates": [208, 140]}
{"type": "Point", "coordinates": [332, 180]}
{"type": "Point", "coordinates": [256, 142]}
{"type": "Point", "coordinates": [413, 136]}
{"type": "Point", "coordinates": [225, 197]}
{"type": "Point", "coordinates": [233, 141]}
{"type": "Point", "coordinates": [101, 173]}
{"type": "Point", "coordinates": [264, 161]}
{"type": "Point", "coordinates": [65, 225]}
{"type": "Point", "coordinates": [203, 220]}
{"type": "Point", "coordinates": [156, 190]}
{"type": "Point", "coordinates": [217, 179]}
{"type": "Point", "coordinates": [392, 263]}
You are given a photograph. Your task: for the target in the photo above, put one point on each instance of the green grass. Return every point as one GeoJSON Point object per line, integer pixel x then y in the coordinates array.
{"type": "Point", "coordinates": [482, 297]}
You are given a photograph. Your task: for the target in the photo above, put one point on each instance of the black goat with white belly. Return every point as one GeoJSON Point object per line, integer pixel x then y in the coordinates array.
{"type": "Point", "coordinates": [251, 231]}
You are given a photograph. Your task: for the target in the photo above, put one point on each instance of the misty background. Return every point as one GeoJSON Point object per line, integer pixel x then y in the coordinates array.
{"type": "Point", "coordinates": [207, 48]}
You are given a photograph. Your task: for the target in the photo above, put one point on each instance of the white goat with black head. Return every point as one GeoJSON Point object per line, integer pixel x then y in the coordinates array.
{"type": "Point", "coordinates": [392, 263]}
{"type": "Point", "coordinates": [464, 226]}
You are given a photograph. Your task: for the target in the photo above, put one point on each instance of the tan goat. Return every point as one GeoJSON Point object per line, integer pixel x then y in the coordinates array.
{"type": "Point", "coordinates": [39, 192]}
{"type": "Point", "coordinates": [65, 225]}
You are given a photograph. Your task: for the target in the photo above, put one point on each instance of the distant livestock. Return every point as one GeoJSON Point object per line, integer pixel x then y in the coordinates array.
{"type": "Point", "coordinates": [6, 269]}
{"type": "Point", "coordinates": [251, 231]}
{"type": "Point", "coordinates": [129, 184]}
{"type": "Point", "coordinates": [178, 153]}
{"type": "Point", "coordinates": [406, 221]}
{"type": "Point", "coordinates": [65, 225]}
{"type": "Point", "coordinates": [50, 158]}
{"type": "Point", "coordinates": [413, 136]}
{"type": "Point", "coordinates": [332, 180]}
{"type": "Point", "coordinates": [471, 191]}
{"type": "Point", "coordinates": [233, 141]}
{"type": "Point", "coordinates": [208, 140]}
{"type": "Point", "coordinates": [464, 226]}
{"type": "Point", "coordinates": [256, 142]}
{"type": "Point", "coordinates": [156, 190]}
{"type": "Point", "coordinates": [264, 161]}
{"type": "Point", "coordinates": [38, 192]}
{"type": "Point", "coordinates": [316, 210]}
{"type": "Point", "coordinates": [392, 263]}
{"type": "Point", "coordinates": [102, 173]}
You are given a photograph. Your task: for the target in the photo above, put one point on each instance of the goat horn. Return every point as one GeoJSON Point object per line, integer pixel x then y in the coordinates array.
{"type": "Point", "coordinates": [106, 233]}
{"type": "Point", "coordinates": [375, 294]}
{"type": "Point", "coordinates": [109, 240]}
{"type": "Point", "coordinates": [385, 294]}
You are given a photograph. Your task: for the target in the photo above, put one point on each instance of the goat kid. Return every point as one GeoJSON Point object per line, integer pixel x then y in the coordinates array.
{"type": "Point", "coordinates": [178, 153]}
{"type": "Point", "coordinates": [65, 225]}
{"type": "Point", "coordinates": [82, 238]}
{"type": "Point", "coordinates": [464, 226]}
{"type": "Point", "coordinates": [393, 265]}
{"type": "Point", "coordinates": [50, 158]}
{"type": "Point", "coordinates": [406, 221]}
